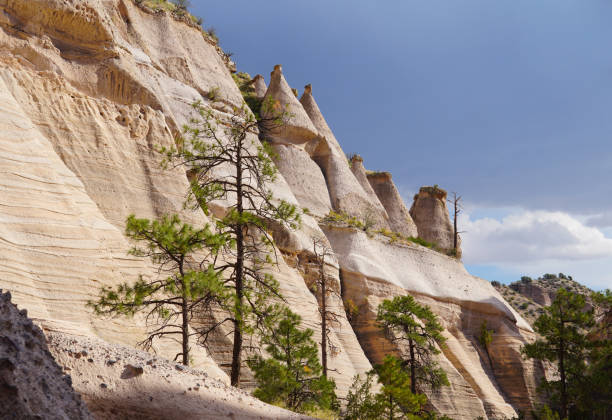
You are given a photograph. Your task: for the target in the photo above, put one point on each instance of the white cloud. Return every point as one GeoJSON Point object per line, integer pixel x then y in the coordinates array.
{"type": "Point", "coordinates": [538, 242]}
{"type": "Point", "coordinates": [529, 236]}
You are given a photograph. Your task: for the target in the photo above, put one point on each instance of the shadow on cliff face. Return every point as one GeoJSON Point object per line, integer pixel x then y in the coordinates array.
{"type": "Point", "coordinates": [32, 385]}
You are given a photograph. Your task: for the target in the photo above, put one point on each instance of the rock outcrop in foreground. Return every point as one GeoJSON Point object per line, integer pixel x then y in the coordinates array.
{"type": "Point", "coordinates": [88, 90]}
{"type": "Point", "coordinates": [32, 385]}
{"type": "Point", "coordinates": [119, 382]}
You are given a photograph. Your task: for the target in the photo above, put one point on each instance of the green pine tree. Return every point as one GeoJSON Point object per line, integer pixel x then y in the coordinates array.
{"type": "Point", "coordinates": [292, 376]}
{"type": "Point", "coordinates": [405, 321]}
{"type": "Point", "coordinates": [563, 328]}
{"type": "Point", "coordinates": [396, 400]}
{"type": "Point", "coordinates": [361, 402]}
{"type": "Point", "coordinates": [226, 162]}
{"type": "Point", "coordinates": [185, 285]}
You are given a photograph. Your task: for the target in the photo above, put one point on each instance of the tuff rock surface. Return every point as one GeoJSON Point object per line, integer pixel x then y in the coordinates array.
{"type": "Point", "coordinates": [88, 90]}
{"type": "Point", "coordinates": [430, 215]}
{"type": "Point", "coordinates": [32, 385]}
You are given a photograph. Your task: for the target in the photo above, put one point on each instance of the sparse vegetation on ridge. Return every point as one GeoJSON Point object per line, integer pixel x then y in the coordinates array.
{"type": "Point", "coordinates": [179, 9]}
{"type": "Point", "coordinates": [340, 218]}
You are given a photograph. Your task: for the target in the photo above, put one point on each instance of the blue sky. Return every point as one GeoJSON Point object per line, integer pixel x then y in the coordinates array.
{"type": "Point", "coordinates": [507, 102]}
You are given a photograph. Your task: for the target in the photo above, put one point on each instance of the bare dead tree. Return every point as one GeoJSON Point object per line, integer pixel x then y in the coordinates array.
{"type": "Point", "coordinates": [457, 209]}
{"type": "Point", "coordinates": [324, 287]}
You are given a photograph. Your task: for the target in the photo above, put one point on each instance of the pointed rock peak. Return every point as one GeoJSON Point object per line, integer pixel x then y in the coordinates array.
{"type": "Point", "coordinates": [360, 173]}
{"type": "Point", "coordinates": [259, 84]}
{"type": "Point", "coordinates": [298, 127]}
{"type": "Point", "coordinates": [313, 111]}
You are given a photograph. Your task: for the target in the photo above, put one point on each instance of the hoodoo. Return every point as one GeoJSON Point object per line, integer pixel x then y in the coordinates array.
{"type": "Point", "coordinates": [297, 127]}
{"type": "Point", "coordinates": [399, 216]}
{"type": "Point", "coordinates": [259, 84]}
{"type": "Point", "coordinates": [431, 217]}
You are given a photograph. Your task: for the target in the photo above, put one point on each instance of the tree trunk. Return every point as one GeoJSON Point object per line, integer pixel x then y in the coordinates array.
{"type": "Point", "coordinates": [323, 320]}
{"type": "Point", "coordinates": [412, 367]}
{"type": "Point", "coordinates": [489, 357]}
{"type": "Point", "coordinates": [239, 281]}
{"type": "Point", "coordinates": [185, 328]}
{"type": "Point", "coordinates": [563, 381]}
{"type": "Point", "coordinates": [455, 229]}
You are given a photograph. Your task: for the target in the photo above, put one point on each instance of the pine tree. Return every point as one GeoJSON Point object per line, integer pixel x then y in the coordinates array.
{"type": "Point", "coordinates": [396, 399]}
{"type": "Point", "coordinates": [185, 286]}
{"type": "Point", "coordinates": [361, 402]}
{"type": "Point", "coordinates": [292, 375]}
{"type": "Point", "coordinates": [226, 162]}
{"type": "Point", "coordinates": [563, 328]}
{"type": "Point", "coordinates": [407, 322]}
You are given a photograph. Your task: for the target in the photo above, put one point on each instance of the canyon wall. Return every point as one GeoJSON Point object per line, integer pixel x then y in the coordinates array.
{"type": "Point", "coordinates": [90, 89]}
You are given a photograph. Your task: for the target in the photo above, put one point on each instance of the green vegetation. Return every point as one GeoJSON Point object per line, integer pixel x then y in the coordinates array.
{"type": "Point", "coordinates": [365, 225]}
{"type": "Point", "coordinates": [406, 321]}
{"type": "Point", "coordinates": [396, 237]}
{"type": "Point", "coordinates": [182, 289]}
{"type": "Point", "coordinates": [583, 360]}
{"type": "Point", "coordinates": [395, 400]}
{"type": "Point", "coordinates": [351, 310]}
{"type": "Point", "coordinates": [179, 9]}
{"type": "Point", "coordinates": [485, 338]}
{"type": "Point", "coordinates": [292, 376]}
{"type": "Point", "coordinates": [207, 144]}
{"type": "Point", "coordinates": [245, 84]}
{"type": "Point", "coordinates": [343, 218]}
{"type": "Point", "coordinates": [403, 319]}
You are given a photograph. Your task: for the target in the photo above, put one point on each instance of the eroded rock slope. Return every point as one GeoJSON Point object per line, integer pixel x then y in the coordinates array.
{"type": "Point", "coordinates": [90, 88]}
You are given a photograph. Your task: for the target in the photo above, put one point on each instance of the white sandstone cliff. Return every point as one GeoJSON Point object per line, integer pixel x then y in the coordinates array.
{"type": "Point", "coordinates": [89, 88]}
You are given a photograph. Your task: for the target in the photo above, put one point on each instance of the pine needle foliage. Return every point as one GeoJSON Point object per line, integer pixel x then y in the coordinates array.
{"type": "Point", "coordinates": [564, 329]}
{"type": "Point", "coordinates": [407, 322]}
{"type": "Point", "coordinates": [396, 399]}
{"type": "Point", "coordinates": [226, 162]}
{"type": "Point", "coordinates": [185, 285]}
{"type": "Point", "coordinates": [292, 376]}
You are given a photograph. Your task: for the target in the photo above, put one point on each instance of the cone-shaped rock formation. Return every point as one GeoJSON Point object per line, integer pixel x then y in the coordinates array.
{"type": "Point", "coordinates": [297, 128]}
{"type": "Point", "coordinates": [360, 174]}
{"type": "Point", "coordinates": [399, 216]}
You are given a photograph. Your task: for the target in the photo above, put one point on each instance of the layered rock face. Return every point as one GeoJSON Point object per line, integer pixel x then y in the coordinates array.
{"type": "Point", "coordinates": [32, 385]}
{"type": "Point", "coordinates": [88, 90]}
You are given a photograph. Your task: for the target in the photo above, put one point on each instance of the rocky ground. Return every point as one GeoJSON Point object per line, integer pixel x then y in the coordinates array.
{"type": "Point", "coordinates": [119, 382]}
